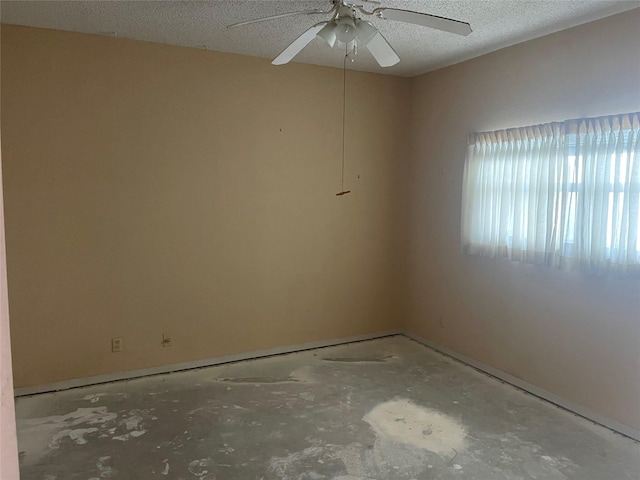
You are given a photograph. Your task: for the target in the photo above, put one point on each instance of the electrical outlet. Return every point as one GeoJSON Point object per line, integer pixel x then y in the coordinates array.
{"type": "Point", "coordinates": [116, 344]}
{"type": "Point", "coordinates": [441, 321]}
{"type": "Point", "coordinates": [167, 340]}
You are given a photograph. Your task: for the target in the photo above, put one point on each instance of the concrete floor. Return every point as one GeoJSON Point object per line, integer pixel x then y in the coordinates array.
{"type": "Point", "coordinates": [381, 409]}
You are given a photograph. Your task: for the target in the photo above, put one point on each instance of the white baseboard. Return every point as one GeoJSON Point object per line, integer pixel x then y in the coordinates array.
{"type": "Point", "coordinates": [529, 388]}
{"type": "Point", "coordinates": [113, 377]}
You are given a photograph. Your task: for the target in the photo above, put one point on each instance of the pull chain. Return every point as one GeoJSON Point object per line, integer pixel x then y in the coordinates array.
{"type": "Point", "coordinates": [344, 114]}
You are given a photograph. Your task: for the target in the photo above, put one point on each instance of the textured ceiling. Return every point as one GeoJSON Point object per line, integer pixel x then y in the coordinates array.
{"type": "Point", "coordinates": [202, 24]}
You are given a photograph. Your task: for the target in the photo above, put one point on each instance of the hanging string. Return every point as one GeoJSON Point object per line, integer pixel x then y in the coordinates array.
{"type": "Point", "coordinates": [344, 107]}
{"type": "Point", "coordinates": [344, 114]}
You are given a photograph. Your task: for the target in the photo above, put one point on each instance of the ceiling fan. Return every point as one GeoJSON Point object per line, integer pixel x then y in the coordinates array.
{"type": "Point", "coordinates": [347, 27]}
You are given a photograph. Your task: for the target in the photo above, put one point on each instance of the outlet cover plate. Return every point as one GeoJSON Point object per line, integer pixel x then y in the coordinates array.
{"type": "Point", "coordinates": [116, 344]}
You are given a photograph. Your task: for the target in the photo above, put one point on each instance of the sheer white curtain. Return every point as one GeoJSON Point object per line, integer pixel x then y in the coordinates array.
{"type": "Point", "coordinates": [559, 194]}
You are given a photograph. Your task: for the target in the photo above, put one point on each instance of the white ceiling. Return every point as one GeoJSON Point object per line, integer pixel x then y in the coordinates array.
{"type": "Point", "coordinates": [202, 24]}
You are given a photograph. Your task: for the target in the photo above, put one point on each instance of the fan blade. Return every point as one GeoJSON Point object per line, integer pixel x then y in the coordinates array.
{"type": "Point", "coordinates": [425, 20]}
{"type": "Point", "coordinates": [298, 44]}
{"type": "Point", "coordinates": [282, 15]}
{"type": "Point", "coordinates": [384, 54]}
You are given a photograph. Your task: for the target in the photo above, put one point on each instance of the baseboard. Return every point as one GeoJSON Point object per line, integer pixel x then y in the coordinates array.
{"type": "Point", "coordinates": [487, 369]}
{"type": "Point", "coordinates": [529, 388]}
{"type": "Point", "coordinates": [145, 372]}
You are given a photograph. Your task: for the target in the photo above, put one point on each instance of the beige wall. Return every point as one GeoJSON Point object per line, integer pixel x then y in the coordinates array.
{"type": "Point", "coordinates": [8, 441]}
{"type": "Point", "coordinates": [155, 189]}
{"type": "Point", "coordinates": [573, 335]}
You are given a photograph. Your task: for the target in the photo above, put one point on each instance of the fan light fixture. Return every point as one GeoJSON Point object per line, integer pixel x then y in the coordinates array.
{"type": "Point", "coordinates": [345, 29]}
{"type": "Point", "coordinates": [365, 31]}
{"type": "Point", "coordinates": [328, 33]}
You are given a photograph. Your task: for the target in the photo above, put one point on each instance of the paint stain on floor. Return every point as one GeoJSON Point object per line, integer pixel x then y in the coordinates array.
{"type": "Point", "coordinates": [401, 421]}
{"type": "Point", "coordinates": [386, 409]}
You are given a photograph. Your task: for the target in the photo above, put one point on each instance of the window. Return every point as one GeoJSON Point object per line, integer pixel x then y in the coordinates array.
{"type": "Point", "coordinates": [560, 194]}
